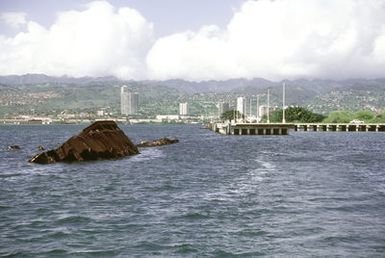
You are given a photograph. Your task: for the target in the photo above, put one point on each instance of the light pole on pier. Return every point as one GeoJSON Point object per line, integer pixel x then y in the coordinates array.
{"type": "Point", "coordinates": [283, 103]}
{"type": "Point", "coordinates": [268, 106]}
{"type": "Point", "coordinates": [257, 108]}
{"type": "Point", "coordinates": [234, 116]}
{"type": "Point", "coordinates": [250, 109]}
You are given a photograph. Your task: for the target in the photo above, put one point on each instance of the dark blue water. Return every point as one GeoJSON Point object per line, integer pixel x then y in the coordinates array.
{"type": "Point", "coordinates": [307, 194]}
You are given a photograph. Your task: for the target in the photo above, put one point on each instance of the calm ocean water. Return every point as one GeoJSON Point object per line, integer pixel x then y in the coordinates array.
{"type": "Point", "coordinates": [306, 194]}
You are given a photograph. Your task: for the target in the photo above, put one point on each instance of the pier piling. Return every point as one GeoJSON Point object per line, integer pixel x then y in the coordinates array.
{"type": "Point", "coordinates": [284, 128]}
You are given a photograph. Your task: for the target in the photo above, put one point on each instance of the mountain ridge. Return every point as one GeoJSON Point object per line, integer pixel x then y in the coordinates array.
{"type": "Point", "coordinates": [237, 84]}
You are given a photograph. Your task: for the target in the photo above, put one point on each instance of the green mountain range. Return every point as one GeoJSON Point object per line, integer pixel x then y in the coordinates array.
{"type": "Point", "coordinates": [42, 94]}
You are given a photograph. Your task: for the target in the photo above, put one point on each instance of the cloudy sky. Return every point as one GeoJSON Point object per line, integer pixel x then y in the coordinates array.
{"type": "Point", "coordinates": [194, 40]}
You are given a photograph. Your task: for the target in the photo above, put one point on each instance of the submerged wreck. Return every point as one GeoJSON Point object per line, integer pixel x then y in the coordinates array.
{"type": "Point", "coordinates": [155, 143]}
{"type": "Point", "coordinates": [101, 140]}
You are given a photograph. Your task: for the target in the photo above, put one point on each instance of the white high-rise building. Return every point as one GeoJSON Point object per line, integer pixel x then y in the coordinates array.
{"type": "Point", "coordinates": [262, 111]}
{"type": "Point", "coordinates": [183, 109]}
{"type": "Point", "coordinates": [222, 108]}
{"type": "Point", "coordinates": [241, 105]}
{"type": "Point", "coordinates": [133, 103]}
{"type": "Point", "coordinates": [124, 100]}
{"type": "Point", "coordinates": [129, 101]}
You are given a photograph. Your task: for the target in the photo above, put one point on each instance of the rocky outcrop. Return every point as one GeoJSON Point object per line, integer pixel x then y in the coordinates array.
{"type": "Point", "coordinates": [13, 147]}
{"type": "Point", "coordinates": [101, 140]}
{"type": "Point", "coordinates": [155, 143]}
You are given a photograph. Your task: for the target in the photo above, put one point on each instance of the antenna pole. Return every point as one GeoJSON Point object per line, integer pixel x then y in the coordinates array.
{"type": "Point", "coordinates": [234, 116]}
{"type": "Point", "coordinates": [268, 106]}
{"type": "Point", "coordinates": [283, 102]}
{"type": "Point", "coordinates": [257, 108]}
{"type": "Point", "coordinates": [250, 109]}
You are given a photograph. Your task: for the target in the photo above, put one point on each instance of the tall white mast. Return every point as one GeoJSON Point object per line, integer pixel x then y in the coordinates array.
{"type": "Point", "coordinates": [250, 108]}
{"type": "Point", "coordinates": [268, 106]}
{"type": "Point", "coordinates": [283, 102]}
{"type": "Point", "coordinates": [235, 115]}
{"type": "Point", "coordinates": [257, 108]}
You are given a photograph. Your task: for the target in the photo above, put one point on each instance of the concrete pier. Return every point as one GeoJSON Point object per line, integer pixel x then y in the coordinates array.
{"type": "Point", "coordinates": [339, 127]}
{"type": "Point", "coordinates": [284, 128]}
{"type": "Point", "coordinates": [252, 128]}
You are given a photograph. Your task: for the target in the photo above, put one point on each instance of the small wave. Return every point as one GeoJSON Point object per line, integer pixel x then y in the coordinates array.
{"type": "Point", "coordinates": [157, 249]}
{"type": "Point", "coordinates": [30, 224]}
{"type": "Point", "coordinates": [251, 233]}
{"type": "Point", "coordinates": [57, 235]}
{"type": "Point", "coordinates": [48, 253]}
{"type": "Point", "coordinates": [5, 207]}
{"type": "Point", "coordinates": [165, 187]}
{"type": "Point", "coordinates": [168, 187]}
{"type": "Point", "coordinates": [100, 253]}
{"type": "Point", "coordinates": [73, 220]}
{"type": "Point", "coordinates": [223, 253]}
{"type": "Point", "coordinates": [45, 253]}
{"type": "Point", "coordinates": [185, 248]}
{"type": "Point", "coordinates": [195, 216]}
{"type": "Point", "coordinates": [54, 252]}
{"type": "Point", "coordinates": [148, 154]}
{"type": "Point", "coordinates": [10, 175]}
{"type": "Point", "coordinates": [146, 245]}
{"type": "Point", "coordinates": [265, 164]}
{"type": "Point", "coordinates": [339, 239]}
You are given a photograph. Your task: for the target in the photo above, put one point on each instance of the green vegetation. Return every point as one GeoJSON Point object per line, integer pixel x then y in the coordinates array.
{"type": "Point", "coordinates": [345, 117]}
{"type": "Point", "coordinates": [296, 114]}
{"type": "Point", "coordinates": [301, 114]}
{"type": "Point", "coordinates": [230, 115]}
{"type": "Point", "coordinates": [354, 100]}
{"type": "Point", "coordinates": [339, 117]}
{"type": "Point", "coordinates": [349, 99]}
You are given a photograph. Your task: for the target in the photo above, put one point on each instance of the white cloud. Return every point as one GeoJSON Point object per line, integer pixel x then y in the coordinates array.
{"type": "Point", "coordinates": [94, 42]}
{"type": "Point", "coordinates": [14, 19]}
{"type": "Point", "coordinates": [271, 39]}
{"type": "Point", "coordinates": [280, 39]}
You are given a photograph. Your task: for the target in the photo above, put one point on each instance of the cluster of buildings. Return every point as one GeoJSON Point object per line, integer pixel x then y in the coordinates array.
{"type": "Point", "coordinates": [247, 113]}
{"type": "Point", "coordinates": [129, 106]}
{"type": "Point", "coordinates": [129, 103]}
{"type": "Point", "coordinates": [130, 110]}
{"type": "Point", "coordinates": [17, 98]}
{"type": "Point", "coordinates": [246, 107]}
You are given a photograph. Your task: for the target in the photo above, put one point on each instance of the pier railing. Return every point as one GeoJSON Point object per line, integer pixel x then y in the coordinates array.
{"type": "Point", "coordinates": [284, 128]}
{"type": "Point", "coordinates": [339, 127]}
{"type": "Point", "coordinates": [252, 128]}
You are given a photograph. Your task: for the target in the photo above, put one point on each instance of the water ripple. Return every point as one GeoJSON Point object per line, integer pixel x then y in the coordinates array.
{"type": "Point", "coordinates": [207, 196]}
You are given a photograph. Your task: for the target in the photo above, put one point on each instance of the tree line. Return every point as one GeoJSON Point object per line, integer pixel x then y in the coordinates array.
{"type": "Point", "coordinates": [303, 115]}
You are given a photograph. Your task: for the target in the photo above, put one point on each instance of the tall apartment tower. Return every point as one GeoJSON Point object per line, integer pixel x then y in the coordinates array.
{"type": "Point", "coordinates": [183, 109]}
{"type": "Point", "coordinates": [133, 103]}
{"type": "Point", "coordinates": [241, 105]}
{"type": "Point", "coordinates": [124, 100]}
{"type": "Point", "coordinates": [129, 101]}
{"type": "Point", "coordinates": [222, 108]}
